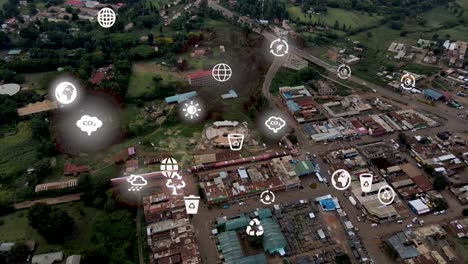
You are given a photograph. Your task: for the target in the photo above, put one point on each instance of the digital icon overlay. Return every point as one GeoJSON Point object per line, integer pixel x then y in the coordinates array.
{"type": "Point", "coordinates": [192, 110]}
{"type": "Point", "coordinates": [343, 71]}
{"type": "Point", "coordinates": [267, 197]}
{"type": "Point", "coordinates": [254, 228]}
{"type": "Point", "coordinates": [137, 182]}
{"type": "Point", "coordinates": [89, 124]}
{"type": "Point", "coordinates": [170, 169]}
{"type": "Point", "coordinates": [236, 141]}
{"type": "Point", "coordinates": [408, 81]}
{"type": "Point", "coordinates": [279, 47]}
{"type": "Point", "coordinates": [191, 204]}
{"type": "Point", "coordinates": [366, 182]}
{"type": "Point", "coordinates": [341, 179]}
{"type": "Point", "coordinates": [275, 123]}
{"type": "Point", "coordinates": [386, 195]}
{"type": "Point", "coordinates": [106, 17]}
{"type": "Point", "coordinates": [221, 72]}
{"type": "Point", "coordinates": [65, 93]}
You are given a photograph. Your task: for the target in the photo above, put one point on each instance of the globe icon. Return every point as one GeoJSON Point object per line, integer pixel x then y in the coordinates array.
{"type": "Point", "coordinates": [221, 72]}
{"type": "Point", "coordinates": [65, 93]}
{"type": "Point", "coordinates": [169, 167]}
{"type": "Point", "coordinates": [106, 17]}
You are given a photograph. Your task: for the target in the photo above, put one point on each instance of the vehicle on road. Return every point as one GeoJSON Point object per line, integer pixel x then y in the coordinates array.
{"type": "Point", "coordinates": [461, 94]}
{"type": "Point", "coordinates": [241, 203]}
{"type": "Point", "coordinates": [421, 222]}
{"type": "Point", "coordinates": [226, 207]}
{"type": "Point", "coordinates": [409, 225]}
{"type": "Point", "coordinates": [352, 200]}
{"type": "Point", "coordinates": [414, 220]}
{"type": "Point", "coordinates": [399, 222]}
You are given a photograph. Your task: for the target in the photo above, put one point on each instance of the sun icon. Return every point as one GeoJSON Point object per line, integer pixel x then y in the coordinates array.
{"type": "Point", "coordinates": [192, 109]}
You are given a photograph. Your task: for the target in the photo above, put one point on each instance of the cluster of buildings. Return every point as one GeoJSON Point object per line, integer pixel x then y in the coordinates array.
{"type": "Point", "coordinates": [427, 244]}
{"type": "Point", "coordinates": [171, 237]}
{"type": "Point", "coordinates": [380, 119]}
{"type": "Point", "coordinates": [245, 177]}
{"type": "Point", "coordinates": [383, 160]}
{"type": "Point", "coordinates": [299, 230]}
{"type": "Point", "coordinates": [300, 103]}
{"type": "Point", "coordinates": [445, 152]}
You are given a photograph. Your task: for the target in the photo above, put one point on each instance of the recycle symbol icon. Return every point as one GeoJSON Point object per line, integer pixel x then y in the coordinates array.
{"type": "Point", "coordinates": [366, 184]}
{"type": "Point", "coordinates": [191, 206]}
{"type": "Point", "coordinates": [173, 186]}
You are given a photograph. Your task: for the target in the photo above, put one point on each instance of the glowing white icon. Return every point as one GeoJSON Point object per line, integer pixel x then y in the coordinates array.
{"type": "Point", "coordinates": [275, 123]}
{"type": "Point", "coordinates": [386, 195]}
{"type": "Point", "coordinates": [341, 179]}
{"type": "Point", "coordinates": [178, 184]}
{"type": "Point", "coordinates": [279, 47]}
{"type": "Point", "coordinates": [366, 182]}
{"type": "Point", "coordinates": [221, 72]}
{"type": "Point", "coordinates": [137, 182]}
{"type": "Point", "coordinates": [254, 228]}
{"type": "Point", "coordinates": [106, 17]}
{"type": "Point", "coordinates": [343, 71]}
{"type": "Point", "coordinates": [65, 93]}
{"type": "Point", "coordinates": [192, 109]}
{"type": "Point", "coordinates": [267, 197]}
{"type": "Point", "coordinates": [191, 204]}
{"type": "Point", "coordinates": [169, 169]}
{"type": "Point", "coordinates": [407, 81]}
{"type": "Point", "coordinates": [236, 141]}
{"type": "Point", "coordinates": [89, 124]}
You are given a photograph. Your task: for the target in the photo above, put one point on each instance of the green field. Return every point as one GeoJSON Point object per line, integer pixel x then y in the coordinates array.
{"type": "Point", "coordinates": [15, 227]}
{"type": "Point", "coordinates": [349, 18]}
{"type": "Point", "coordinates": [141, 80]}
{"type": "Point", "coordinates": [18, 152]}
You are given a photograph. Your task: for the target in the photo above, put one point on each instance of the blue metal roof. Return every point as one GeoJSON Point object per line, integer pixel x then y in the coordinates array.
{"type": "Point", "coordinates": [180, 97]}
{"type": "Point", "coordinates": [433, 94]}
{"type": "Point", "coordinates": [328, 204]}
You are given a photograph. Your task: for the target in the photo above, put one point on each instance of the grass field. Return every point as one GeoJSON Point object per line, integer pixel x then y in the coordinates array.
{"type": "Point", "coordinates": [18, 152]}
{"type": "Point", "coordinates": [349, 18]}
{"type": "Point", "coordinates": [141, 80]}
{"type": "Point", "coordinates": [15, 227]}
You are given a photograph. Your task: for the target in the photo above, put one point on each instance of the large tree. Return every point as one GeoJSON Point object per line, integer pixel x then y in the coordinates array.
{"type": "Point", "coordinates": [54, 224]}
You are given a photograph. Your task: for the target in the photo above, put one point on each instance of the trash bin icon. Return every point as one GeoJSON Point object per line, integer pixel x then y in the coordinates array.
{"type": "Point", "coordinates": [366, 182]}
{"type": "Point", "coordinates": [191, 204]}
{"type": "Point", "coordinates": [235, 141]}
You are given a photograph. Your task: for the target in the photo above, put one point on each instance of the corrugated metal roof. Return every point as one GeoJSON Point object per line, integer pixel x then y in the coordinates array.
{"type": "Point", "coordinates": [433, 94]}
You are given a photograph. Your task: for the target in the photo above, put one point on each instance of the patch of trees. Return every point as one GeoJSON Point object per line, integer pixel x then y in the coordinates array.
{"type": "Point", "coordinates": [440, 183]}
{"type": "Point", "coordinates": [266, 9]}
{"type": "Point", "coordinates": [112, 239]}
{"type": "Point", "coordinates": [54, 224]}
{"type": "Point", "coordinates": [10, 104]}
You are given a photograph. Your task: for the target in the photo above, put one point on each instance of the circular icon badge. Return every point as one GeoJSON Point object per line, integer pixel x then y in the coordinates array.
{"type": "Point", "coordinates": [407, 81]}
{"type": "Point", "coordinates": [279, 47]}
{"type": "Point", "coordinates": [267, 197]}
{"type": "Point", "coordinates": [386, 195]}
{"type": "Point", "coordinates": [341, 179]}
{"type": "Point", "coordinates": [65, 93]}
{"type": "Point", "coordinates": [221, 72]}
{"type": "Point", "coordinates": [343, 71]}
{"type": "Point", "coordinates": [169, 167]}
{"type": "Point", "coordinates": [106, 17]}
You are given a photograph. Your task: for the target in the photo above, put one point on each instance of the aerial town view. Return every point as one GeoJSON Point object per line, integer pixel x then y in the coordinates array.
{"type": "Point", "coordinates": [233, 131]}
